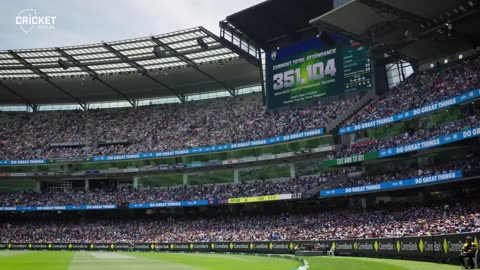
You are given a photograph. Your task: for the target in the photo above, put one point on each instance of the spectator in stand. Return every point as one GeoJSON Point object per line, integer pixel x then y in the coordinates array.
{"type": "Point", "coordinates": [170, 194]}
{"type": "Point", "coordinates": [160, 128]}
{"type": "Point", "coordinates": [396, 221]}
{"type": "Point", "coordinates": [406, 138]}
{"type": "Point", "coordinates": [422, 89]}
{"type": "Point", "coordinates": [411, 172]}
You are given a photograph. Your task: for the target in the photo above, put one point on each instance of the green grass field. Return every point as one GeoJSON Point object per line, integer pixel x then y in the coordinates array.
{"type": "Point", "coordinates": [58, 260]}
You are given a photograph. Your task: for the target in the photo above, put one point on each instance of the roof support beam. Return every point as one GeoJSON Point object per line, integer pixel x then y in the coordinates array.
{"type": "Point", "coordinates": [20, 96]}
{"type": "Point", "coordinates": [386, 8]}
{"type": "Point", "coordinates": [192, 64]}
{"type": "Point", "coordinates": [94, 75]}
{"type": "Point", "coordinates": [225, 28]}
{"type": "Point", "coordinates": [143, 71]}
{"type": "Point", "coordinates": [114, 61]}
{"type": "Point", "coordinates": [45, 77]}
{"type": "Point", "coordinates": [373, 46]}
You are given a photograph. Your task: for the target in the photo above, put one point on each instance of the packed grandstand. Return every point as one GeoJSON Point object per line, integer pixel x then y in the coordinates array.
{"type": "Point", "coordinates": [228, 120]}
{"type": "Point", "coordinates": [393, 161]}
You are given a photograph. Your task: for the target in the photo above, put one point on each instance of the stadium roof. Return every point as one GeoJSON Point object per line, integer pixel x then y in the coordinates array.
{"type": "Point", "coordinates": [273, 20]}
{"type": "Point", "coordinates": [184, 62]}
{"type": "Point", "coordinates": [417, 29]}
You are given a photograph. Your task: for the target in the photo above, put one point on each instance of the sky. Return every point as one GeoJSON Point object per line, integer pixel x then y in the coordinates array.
{"type": "Point", "coordinates": [79, 22]}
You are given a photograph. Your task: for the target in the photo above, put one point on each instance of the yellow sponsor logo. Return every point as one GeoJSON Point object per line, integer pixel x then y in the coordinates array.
{"type": "Point", "coordinates": [255, 199]}
{"type": "Point", "coordinates": [421, 246]}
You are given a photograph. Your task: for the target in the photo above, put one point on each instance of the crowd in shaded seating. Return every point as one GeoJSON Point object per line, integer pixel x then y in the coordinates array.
{"type": "Point", "coordinates": [69, 134]}
{"type": "Point", "coordinates": [160, 128]}
{"type": "Point", "coordinates": [299, 185]}
{"type": "Point", "coordinates": [386, 221]}
{"type": "Point", "coordinates": [418, 135]}
{"type": "Point", "coordinates": [412, 171]}
{"type": "Point", "coordinates": [168, 194]}
{"type": "Point", "coordinates": [422, 89]}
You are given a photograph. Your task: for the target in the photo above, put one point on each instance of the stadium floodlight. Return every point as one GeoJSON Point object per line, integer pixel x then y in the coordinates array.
{"type": "Point", "coordinates": [158, 52]}
{"type": "Point", "coordinates": [202, 43]}
{"type": "Point", "coordinates": [410, 36]}
{"type": "Point", "coordinates": [324, 37]}
{"type": "Point", "coordinates": [63, 63]}
{"type": "Point", "coordinates": [460, 56]}
{"type": "Point", "coordinates": [445, 61]}
{"type": "Point", "coordinates": [432, 65]}
{"type": "Point", "coordinates": [320, 33]}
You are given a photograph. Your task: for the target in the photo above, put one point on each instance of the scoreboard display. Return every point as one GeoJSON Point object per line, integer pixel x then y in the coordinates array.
{"type": "Point", "coordinates": [313, 69]}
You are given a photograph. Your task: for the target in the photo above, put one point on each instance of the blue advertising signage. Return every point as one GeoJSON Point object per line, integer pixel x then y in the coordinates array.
{"type": "Point", "coordinates": [59, 207]}
{"type": "Point", "coordinates": [412, 113]}
{"type": "Point", "coordinates": [393, 185]}
{"type": "Point", "coordinates": [199, 150]}
{"type": "Point", "coordinates": [23, 162]}
{"type": "Point", "coordinates": [215, 148]}
{"type": "Point", "coordinates": [452, 137]}
{"type": "Point", "coordinates": [169, 204]}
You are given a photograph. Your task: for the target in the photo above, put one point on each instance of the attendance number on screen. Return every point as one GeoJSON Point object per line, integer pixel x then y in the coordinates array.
{"type": "Point", "coordinates": [315, 72]}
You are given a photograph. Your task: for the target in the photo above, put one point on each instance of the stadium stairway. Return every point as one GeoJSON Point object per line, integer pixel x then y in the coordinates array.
{"type": "Point", "coordinates": [366, 99]}
{"type": "Point", "coordinates": [314, 191]}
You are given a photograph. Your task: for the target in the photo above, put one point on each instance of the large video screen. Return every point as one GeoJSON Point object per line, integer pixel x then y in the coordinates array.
{"type": "Point", "coordinates": [316, 68]}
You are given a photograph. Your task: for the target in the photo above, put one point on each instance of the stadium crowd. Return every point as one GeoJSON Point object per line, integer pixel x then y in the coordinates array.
{"type": "Point", "coordinates": [299, 185]}
{"type": "Point", "coordinates": [161, 128]}
{"type": "Point", "coordinates": [398, 221]}
{"type": "Point", "coordinates": [169, 194]}
{"type": "Point", "coordinates": [418, 135]}
{"type": "Point", "coordinates": [67, 134]}
{"type": "Point", "coordinates": [422, 89]}
{"type": "Point", "coordinates": [408, 173]}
